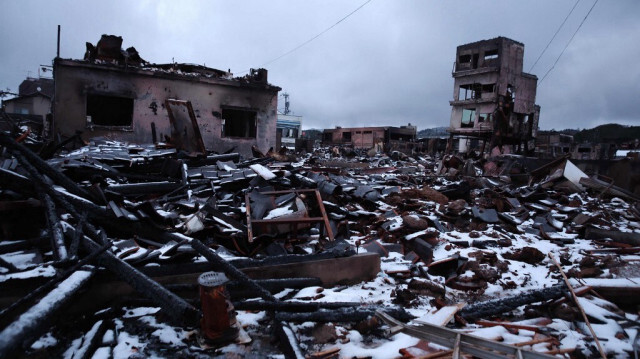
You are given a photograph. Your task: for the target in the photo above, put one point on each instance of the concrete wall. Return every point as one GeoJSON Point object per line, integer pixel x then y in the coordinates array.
{"type": "Point", "coordinates": [149, 90]}
{"type": "Point", "coordinates": [34, 105]}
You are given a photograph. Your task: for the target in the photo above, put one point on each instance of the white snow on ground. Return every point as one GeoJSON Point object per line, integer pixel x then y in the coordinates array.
{"type": "Point", "coordinates": [127, 345]}
{"type": "Point", "coordinates": [21, 259]}
{"type": "Point", "coordinates": [247, 319]}
{"type": "Point", "coordinates": [140, 311]}
{"type": "Point", "coordinates": [166, 333]}
{"type": "Point", "coordinates": [45, 271]}
{"type": "Point", "coordinates": [47, 340]}
{"type": "Point", "coordinates": [102, 353]}
{"type": "Point", "coordinates": [380, 350]}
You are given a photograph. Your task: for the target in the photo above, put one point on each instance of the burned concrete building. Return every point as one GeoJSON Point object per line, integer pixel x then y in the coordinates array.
{"type": "Point", "coordinates": [382, 138]}
{"type": "Point", "coordinates": [493, 99]}
{"type": "Point", "coordinates": [116, 94]}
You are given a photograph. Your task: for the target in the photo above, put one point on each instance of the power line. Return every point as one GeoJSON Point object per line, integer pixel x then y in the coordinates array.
{"type": "Point", "coordinates": [315, 37]}
{"type": "Point", "coordinates": [574, 34]}
{"type": "Point", "coordinates": [554, 35]}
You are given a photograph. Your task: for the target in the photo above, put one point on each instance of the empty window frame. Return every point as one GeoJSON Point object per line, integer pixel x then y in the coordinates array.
{"type": "Point", "coordinates": [239, 123]}
{"type": "Point", "coordinates": [464, 59]}
{"type": "Point", "coordinates": [484, 117]}
{"type": "Point", "coordinates": [110, 110]}
{"type": "Point", "coordinates": [488, 88]}
{"type": "Point", "coordinates": [469, 92]}
{"type": "Point", "coordinates": [346, 136]}
{"type": "Point", "coordinates": [490, 55]}
{"type": "Point", "coordinates": [468, 117]}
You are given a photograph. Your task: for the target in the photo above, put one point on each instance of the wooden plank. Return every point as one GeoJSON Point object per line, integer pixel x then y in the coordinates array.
{"type": "Point", "coordinates": [442, 316]}
{"type": "Point", "coordinates": [468, 344]}
{"type": "Point", "coordinates": [333, 271]}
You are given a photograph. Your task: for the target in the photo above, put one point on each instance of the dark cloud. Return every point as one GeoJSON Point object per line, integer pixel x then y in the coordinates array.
{"type": "Point", "coordinates": [389, 63]}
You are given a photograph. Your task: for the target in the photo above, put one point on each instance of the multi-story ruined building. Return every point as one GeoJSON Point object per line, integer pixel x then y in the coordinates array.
{"type": "Point", "coordinates": [116, 94]}
{"type": "Point", "coordinates": [493, 99]}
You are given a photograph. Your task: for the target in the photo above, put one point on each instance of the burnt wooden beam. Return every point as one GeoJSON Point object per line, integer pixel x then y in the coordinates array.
{"type": "Point", "coordinates": [55, 231]}
{"type": "Point", "coordinates": [616, 236]}
{"type": "Point", "coordinates": [297, 307]}
{"type": "Point", "coordinates": [219, 263]}
{"type": "Point", "coordinates": [500, 306]}
{"type": "Point", "coordinates": [16, 182]}
{"type": "Point", "coordinates": [178, 309]}
{"type": "Point", "coordinates": [51, 283]}
{"type": "Point", "coordinates": [42, 166]}
{"type": "Point", "coordinates": [347, 314]}
{"type": "Point", "coordinates": [129, 189]}
{"type": "Point", "coordinates": [333, 271]}
{"type": "Point", "coordinates": [29, 326]}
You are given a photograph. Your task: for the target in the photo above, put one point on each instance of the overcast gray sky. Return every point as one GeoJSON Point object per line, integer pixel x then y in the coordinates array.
{"type": "Point", "coordinates": [387, 64]}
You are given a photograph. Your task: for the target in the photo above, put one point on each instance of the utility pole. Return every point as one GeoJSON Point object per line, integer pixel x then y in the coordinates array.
{"type": "Point", "coordinates": [286, 103]}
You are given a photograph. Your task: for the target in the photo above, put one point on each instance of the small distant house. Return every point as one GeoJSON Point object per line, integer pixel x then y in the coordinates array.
{"type": "Point", "coordinates": [33, 103]}
{"type": "Point", "coordinates": [289, 128]}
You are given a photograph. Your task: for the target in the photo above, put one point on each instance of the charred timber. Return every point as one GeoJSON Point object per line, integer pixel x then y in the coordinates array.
{"type": "Point", "coordinates": [43, 167]}
{"type": "Point", "coordinates": [213, 159]}
{"type": "Point", "coordinates": [344, 315]}
{"type": "Point", "coordinates": [617, 236]}
{"type": "Point", "coordinates": [297, 307]}
{"type": "Point", "coordinates": [129, 189]}
{"type": "Point", "coordinates": [499, 306]}
{"type": "Point", "coordinates": [239, 290]}
{"type": "Point", "coordinates": [34, 322]}
{"type": "Point", "coordinates": [55, 231]}
{"type": "Point", "coordinates": [178, 309]}
{"type": "Point", "coordinates": [53, 282]}
{"type": "Point", "coordinates": [218, 263]}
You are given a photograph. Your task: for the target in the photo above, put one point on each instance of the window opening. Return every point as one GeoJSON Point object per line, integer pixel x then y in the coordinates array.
{"type": "Point", "coordinates": [238, 123]}
{"type": "Point", "coordinates": [110, 110]}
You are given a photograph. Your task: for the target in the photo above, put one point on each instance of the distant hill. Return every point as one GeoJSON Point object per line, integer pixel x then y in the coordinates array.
{"type": "Point", "coordinates": [433, 132]}
{"type": "Point", "coordinates": [608, 133]}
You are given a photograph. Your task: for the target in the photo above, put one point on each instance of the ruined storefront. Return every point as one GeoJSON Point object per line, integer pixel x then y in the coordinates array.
{"type": "Point", "coordinates": [115, 94]}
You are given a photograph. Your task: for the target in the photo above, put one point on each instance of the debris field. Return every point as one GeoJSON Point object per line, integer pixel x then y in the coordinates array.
{"type": "Point", "coordinates": [330, 254]}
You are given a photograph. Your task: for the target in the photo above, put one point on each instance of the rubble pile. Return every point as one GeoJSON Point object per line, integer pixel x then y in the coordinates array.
{"type": "Point", "coordinates": [327, 254]}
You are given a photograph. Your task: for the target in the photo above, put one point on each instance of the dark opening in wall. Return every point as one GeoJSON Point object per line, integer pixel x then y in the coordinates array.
{"type": "Point", "coordinates": [110, 110]}
{"type": "Point", "coordinates": [468, 117]}
{"type": "Point", "coordinates": [346, 136]}
{"type": "Point", "coordinates": [490, 54]}
{"type": "Point", "coordinates": [238, 123]}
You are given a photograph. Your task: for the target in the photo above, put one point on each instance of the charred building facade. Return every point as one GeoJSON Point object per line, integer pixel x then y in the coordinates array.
{"type": "Point", "coordinates": [382, 138]}
{"type": "Point", "coordinates": [116, 94]}
{"type": "Point", "coordinates": [493, 99]}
